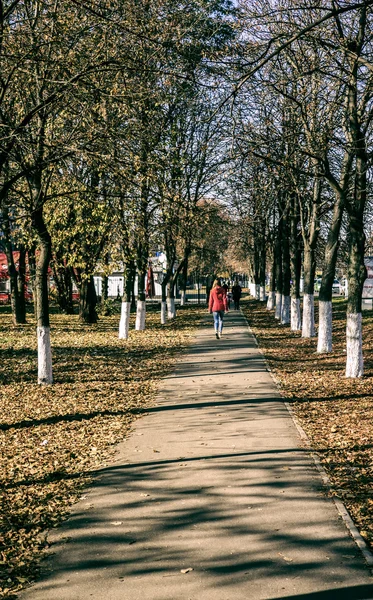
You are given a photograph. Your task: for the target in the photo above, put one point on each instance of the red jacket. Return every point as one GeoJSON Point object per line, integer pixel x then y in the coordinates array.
{"type": "Point", "coordinates": [218, 299]}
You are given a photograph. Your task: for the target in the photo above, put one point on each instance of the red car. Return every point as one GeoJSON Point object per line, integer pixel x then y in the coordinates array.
{"type": "Point", "coordinates": [4, 297]}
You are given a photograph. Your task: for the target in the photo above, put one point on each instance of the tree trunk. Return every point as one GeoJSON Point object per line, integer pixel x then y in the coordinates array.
{"type": "Point", "coordinates": [285, 307]}
{"type": "Point", "coordinates": [262, 263]}
{"type": "Point", "coordinates": [141, 302]}
{"type": "Point", "coordinates": [324, 342]}
{"type": "Point", "coordinates": [296, 263]}
{"type": "Point", "coordinates": [124, 322]}
{"type": "Point", "coordinates": [17, 305]}
{"type": "Point", "coordinates": [272, 286]}
{"type": "Point", "coordinates": [171, 310]}
{"type": "Point", "coordinates": [21, 282]}
{"type": "Point", "coordinates": [164, 310]}
{"type": "Point", "coordinates": [356, 205]}
{"type": "Point", "coordinates": [309, 270]}
{"type": "Point", "coordinates": [166, 279]}
{"type": "Point", "coordinates": [88, 301]}
{"type": "Point", "coordinates": [172, 288]}
{"type": "Point", "coordinates": [262, 276]}
{"type": "Point", "coordinates": [104, 295]}
{"type": "Point", "coordinates": [105, 286]}
{"type": "Point", "coordinates": [356, 276]}
{"type": "Point", "coordinates": [32, 270]}
{"type": "Point", "coordinates": [45, 375]}
{"type": "Point", "coordinates": [183, 298]}
{"type": "Point", "coordinates": [279, 275]}
{"type": "Point", "coordinates": [171, 278]}
{"type": "Point", "coordinates": [142, 267]}
{"type": "Point", "coordinates": [133, 295]}
{"type": "Point", "coordinates": [310, 226]}
{"type": "Point", "coordinates": [296, 320]}
{"type": "Point", "coordinates": [105, 291]}
{"type": "Point", "coordinates": [63, 280]}
{"type": "Point", "coordinates": [257, 264]}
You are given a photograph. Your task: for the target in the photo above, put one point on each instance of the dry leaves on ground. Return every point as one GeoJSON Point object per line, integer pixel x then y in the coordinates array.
{"type": "Point", "coordinates": [53, 437]}
{"type": "Point", "coordinates": [335, 412]}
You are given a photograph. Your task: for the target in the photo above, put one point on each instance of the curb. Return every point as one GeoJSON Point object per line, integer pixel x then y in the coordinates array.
{"type": "Point", "coordinates": [341, 508]}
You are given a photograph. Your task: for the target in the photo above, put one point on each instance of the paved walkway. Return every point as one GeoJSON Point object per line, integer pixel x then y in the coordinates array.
{"type": "Point", "coordinates": [212, 498]}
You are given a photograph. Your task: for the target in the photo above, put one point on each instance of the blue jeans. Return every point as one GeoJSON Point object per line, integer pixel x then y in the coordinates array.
{"type": "Point", "coordinates": [218, 320]}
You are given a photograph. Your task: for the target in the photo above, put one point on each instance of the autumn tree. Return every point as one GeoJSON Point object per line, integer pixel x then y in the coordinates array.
{"type": "Point", "coordinates": [322, 57]}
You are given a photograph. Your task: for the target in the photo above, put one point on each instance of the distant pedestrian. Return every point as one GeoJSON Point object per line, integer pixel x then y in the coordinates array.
{"type": "Point", "coordinates": [236, 294]}
{"type": "Point", "coordinates": [218, 305]}
{"type": "Point", "coordinates": [226, 287]}
{"type": "Point", "coordinates": [229, 298]}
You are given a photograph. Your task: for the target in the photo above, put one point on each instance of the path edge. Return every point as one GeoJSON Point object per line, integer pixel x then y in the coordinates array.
{"type": "Point", "coordinates": [341, 508]}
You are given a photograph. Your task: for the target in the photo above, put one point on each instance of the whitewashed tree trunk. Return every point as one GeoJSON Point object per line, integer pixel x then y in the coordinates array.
{"type": "Point", "coordinates": [124, 322]}
{"type": "Point", "coordinates": [45, 375]}
{"type": "Point", "coordinates": [163, 313]}
{"type": "Point", "coordinates": [285, 310]}
{"type": "Point", "coordinates": [262, 293]}
{"type": "Point", "coordinates": [278, 305]}
{"type": "Point", "coordinates": [271, 300]}
{"type": "Point", "coordinates": [140, 315]}
{"type": "Point", "coordinates": [354, 346]}
{"type": "Point", "coordinates": [308, 326]}
{"type": "Point", "coordinates": [295, 319]}
{"type": "Point", "coordinates": [324, 340]}
{"type": "Point", "coordinates": [182, 298]}
{"type": "Point", "coordinates": [257, 291]}
{"type": "Point", "coordinates": [171, 310]}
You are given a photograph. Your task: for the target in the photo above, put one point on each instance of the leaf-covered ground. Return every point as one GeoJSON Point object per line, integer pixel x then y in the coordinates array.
{"type": "Point", "coordinates": [335, 412]}
{"type": "Point", "coordinates": [53, 437]}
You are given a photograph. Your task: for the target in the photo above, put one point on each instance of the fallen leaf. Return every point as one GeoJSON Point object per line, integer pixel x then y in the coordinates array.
{"type": "Point", "coordinates": [186, 570]}
{"type": "Point", "coordinates": [286, 558]}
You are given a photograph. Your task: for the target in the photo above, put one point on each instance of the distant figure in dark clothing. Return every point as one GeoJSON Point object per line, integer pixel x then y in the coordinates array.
{"type": "Point", "coordinates": [225, 286]}
{"type": "Point", "coordinates": [236, 295]}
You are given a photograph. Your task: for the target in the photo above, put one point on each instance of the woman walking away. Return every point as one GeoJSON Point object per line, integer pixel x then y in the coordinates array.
{"type": "Point", "coordinates": [218, 306]}
{"type": "Point", "coordinates": [236, 293]}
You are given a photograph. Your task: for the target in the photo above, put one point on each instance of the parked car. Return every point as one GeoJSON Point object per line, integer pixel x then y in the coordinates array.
{"type": "Point", "coordinates": [337, 288]}
{"type": "Point", "coordinates": [4, 297]}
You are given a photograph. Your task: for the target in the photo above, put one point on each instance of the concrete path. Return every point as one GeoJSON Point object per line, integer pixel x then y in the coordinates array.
{"type": "Point", "coordinates": [212, 498]}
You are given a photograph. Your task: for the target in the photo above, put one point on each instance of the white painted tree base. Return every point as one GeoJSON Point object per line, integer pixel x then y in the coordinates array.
{"type": "Point", "coordinates": [163, 313]}
{"type": "Point", "coordinates": [140, 315]}
{"type": "Point", "coordinates": [295, 317]}
{"type": "Point", "coordinates": [182, 298]}
{"type": "Point", "coordinates": [308, 325]}
{"type": "Point", "coordinates": [171, 308]}
{"type": "Point", "coordinates": [354, 346]}
{"type": "Point", "coordinates": [324, 340]}
{"type": "Point", "coordinates": [45, 375]}
{"type": "Point", "coordinates": [271, 302]}
{"type": "Point", "coordinates": [285, 310]}
{"type": "Point", "coordinates": [262, 293]}
{"type": "Point", "coordinates": [278, 306]}
{"type": "Point", "coordinates": [124, 322]}
{"type": "Point", "coordinates": [257, 291]}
